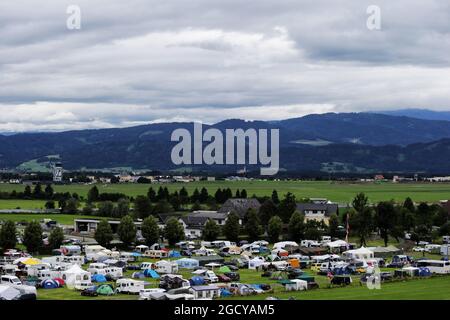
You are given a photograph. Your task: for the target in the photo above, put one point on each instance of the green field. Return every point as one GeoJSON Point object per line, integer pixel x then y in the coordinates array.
{"type": "Point", "coordinates": [418, 289]}
{"type": "Point", "coordinates": [22, 204]}
{"type": "Point", "coordinates": [342, 192]}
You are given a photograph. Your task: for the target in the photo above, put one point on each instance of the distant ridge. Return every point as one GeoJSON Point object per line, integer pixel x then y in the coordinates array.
{"type": "Point", "coordinates": [331, 142]}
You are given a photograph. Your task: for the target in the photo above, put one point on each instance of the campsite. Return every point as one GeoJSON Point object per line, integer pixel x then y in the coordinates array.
{"type": "Point", "coordinates": [266, 276]}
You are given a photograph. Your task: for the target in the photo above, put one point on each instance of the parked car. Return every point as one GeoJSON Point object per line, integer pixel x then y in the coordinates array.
{"type": "Point", "coordinates": [90, 292]}
{"type": "Point", "coordinates": [223, 278]}
{"type": "Point", "coordinates": [234, 276]}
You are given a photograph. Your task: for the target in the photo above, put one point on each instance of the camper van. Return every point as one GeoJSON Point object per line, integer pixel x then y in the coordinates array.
{"type": "Point", "coordinates": [94, 268]}
{"type": "Point", "coordinates": [156, 254]}
{"type": "Point", "coordinates": [10, 280]}
{"type": "Point", "coordinates": [48, 274]}
{"type": "Point", "coordinates": [129, 286]}
{"type": "Point", "coordinates": [145, 294]}
{"type": "Point", "coordinates": [433, 248]}
{"type": "Point", "coordinates": [435, 266]}
{"type": "Point", "coordinates": [79, 260]}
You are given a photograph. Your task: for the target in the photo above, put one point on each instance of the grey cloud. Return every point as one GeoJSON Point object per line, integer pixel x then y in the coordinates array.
{"type": "Point", "coordinates": [207, 60]}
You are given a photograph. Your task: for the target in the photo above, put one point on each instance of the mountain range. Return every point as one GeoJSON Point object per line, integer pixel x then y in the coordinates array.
{"type": "Point", "coordinates": [331, 142]}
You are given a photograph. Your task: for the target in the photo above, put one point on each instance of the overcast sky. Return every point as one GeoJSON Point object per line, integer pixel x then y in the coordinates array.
{"type": "Point", "coordinates": [141, 61]}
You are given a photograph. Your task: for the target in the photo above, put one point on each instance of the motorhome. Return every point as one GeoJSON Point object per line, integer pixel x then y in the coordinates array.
{"type": "Point", "coordinates": [129, 286]}
{"type": "Point", "coordinates": [145, 294]}
{"type": "Point", "coordinates": [78, 260]}
{"type": "Point", "coordinates": [48, 274]}
{"type": "Point", "coordinates": [433, 248]}
{"type": "Point", "coordinates": [435, 266]}
{"type": "Point", "coordinates": [156, 254]}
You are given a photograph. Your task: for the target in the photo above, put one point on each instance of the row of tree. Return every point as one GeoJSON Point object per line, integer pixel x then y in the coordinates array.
{"type": "Point", "coordinates": [32, 237]}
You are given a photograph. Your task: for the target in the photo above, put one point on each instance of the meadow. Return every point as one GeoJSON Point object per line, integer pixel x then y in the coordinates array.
{"type": "Point", "coordinates": [342, 192]}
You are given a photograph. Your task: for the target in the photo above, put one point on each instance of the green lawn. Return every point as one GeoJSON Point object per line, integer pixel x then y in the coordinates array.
{"type": "Point", "coordinates": [417, 289]}
{"type": "Point", "coordinates": [22, 204]}
{"type": "Point", "coordinates": [335, 191]}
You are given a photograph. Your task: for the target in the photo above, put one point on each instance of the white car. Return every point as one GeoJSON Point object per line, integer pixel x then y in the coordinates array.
{"type": "Point", "coordinates": [418, 249]}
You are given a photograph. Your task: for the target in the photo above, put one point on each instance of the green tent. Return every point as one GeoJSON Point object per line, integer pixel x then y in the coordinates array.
{"type": "Point", "coordinates": [224, 269]}
{"type": "Point", "coordinates": [105, 290]}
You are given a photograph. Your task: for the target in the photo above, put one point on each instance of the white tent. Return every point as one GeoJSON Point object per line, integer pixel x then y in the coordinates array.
{"type": "Point", "coordinates": [8, 292]}
{"type": "Point", "coordinates": [75, 275]}
{"type": "Point", "coordinates": [337, 244]}
{"type": "Point", "coordinates": [359, 254]}
{"type": "Point", "coordinates": [255, 263]}
{"type": "Point", "coordinates": [296, 285]}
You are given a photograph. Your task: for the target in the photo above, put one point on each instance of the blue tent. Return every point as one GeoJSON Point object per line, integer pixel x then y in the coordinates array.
{"type": "Point", "coordinates": [138, 275]}
{"type": "Point", "coordinates": [174, 254]}
{"type": "Point", "coordinates": [98, 278]}
{"type": "Point", "coordinates": [49, 284]}
{"type": "Point", "coordinates": [225, 292]}
{"type": "Point", "coordinates": [197, 281]}
{"type": "Point", "coordinates": [151, 274]}
{"type": "Point", "coordinates": [424, 272]}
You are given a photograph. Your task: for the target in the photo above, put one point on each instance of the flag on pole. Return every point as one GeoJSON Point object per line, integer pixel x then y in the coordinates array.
{"type": "Point", "coordinates": [348, 228]}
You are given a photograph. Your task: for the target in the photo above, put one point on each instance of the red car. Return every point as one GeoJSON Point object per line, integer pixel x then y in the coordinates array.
{"type": "Point", "coordinates": [223, 278]}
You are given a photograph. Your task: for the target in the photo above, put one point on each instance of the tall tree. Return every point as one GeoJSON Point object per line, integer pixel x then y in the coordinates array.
{"type": "Point", "coordinates": [151, 195]}
{"type": "Point", "coordinates": [37, 192]}
{"type": "Point", "coordinates": [275, 198]}
{"type": "Point", "coordinates": [231, 229]}
{"type": "Point", "coordinates": [252, 225]}
{"type": "Point", "coordinates": [56, 238]}
{"type": "Point", "coordinates": [244, 194]}
{"type": "Point", "coordinates": [203, 195]}
{"type": "Point", "coordinates": [150, 230]}
{"type": "Point", "coordinates": [32, 237]}
{"type": "Point", "coordinates": [409, 204]}
{"type": "Point", "coordinates": [296, 227]}
{"type": "Point", "coordinates": [106, 209]}
{"type": "Point", "coordinates": [27, 192]}
{"type": "Point", "coordinates": [211, 231]}
{"type": "Point", "coordinates": [362, 219]}
{"type": "Point", "coordinates": [385, 219]}
{"type": "Point", "coordinates": [174, 231]}
{"type": "Point", "coordinates": [267, 210]}
{"type": "Point", "coordinates": [274, 228]}
{"type": "Point", "coordinates": [142, 207]}
{"type": "Point", "coordinates": [93, 194]}
{"type": "Point", "coordinates": [8, 235]}
{"type": "Point", "coordinates": [122, 209]}
{"type": "Point", "coordinates": [333, 226]}
{"type": "Point", "coordinates": [287, 207]}
{"type": "Point", "coordinates": [238, 194]}
{"type": "Point", "coordinates": [71, 207]}
{"type": "Point", "coordinates": [48, 191]}
{"type": "Point", "coordinates": [184, 196]}
{"type": "Point", "coordinates": [103, 234]}
{"type": "Point", "coordinates": [195, 196]}
{"type": "Point", "coordinates": [127, 230]}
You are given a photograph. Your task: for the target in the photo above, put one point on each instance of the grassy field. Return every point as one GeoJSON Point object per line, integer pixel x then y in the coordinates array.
{"type": "Point", "coordinates": [22, 204]}
{"type": "Point", "coordinates": [417, 289]}
{"type": "Point", "coordinates": [336, 191]}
